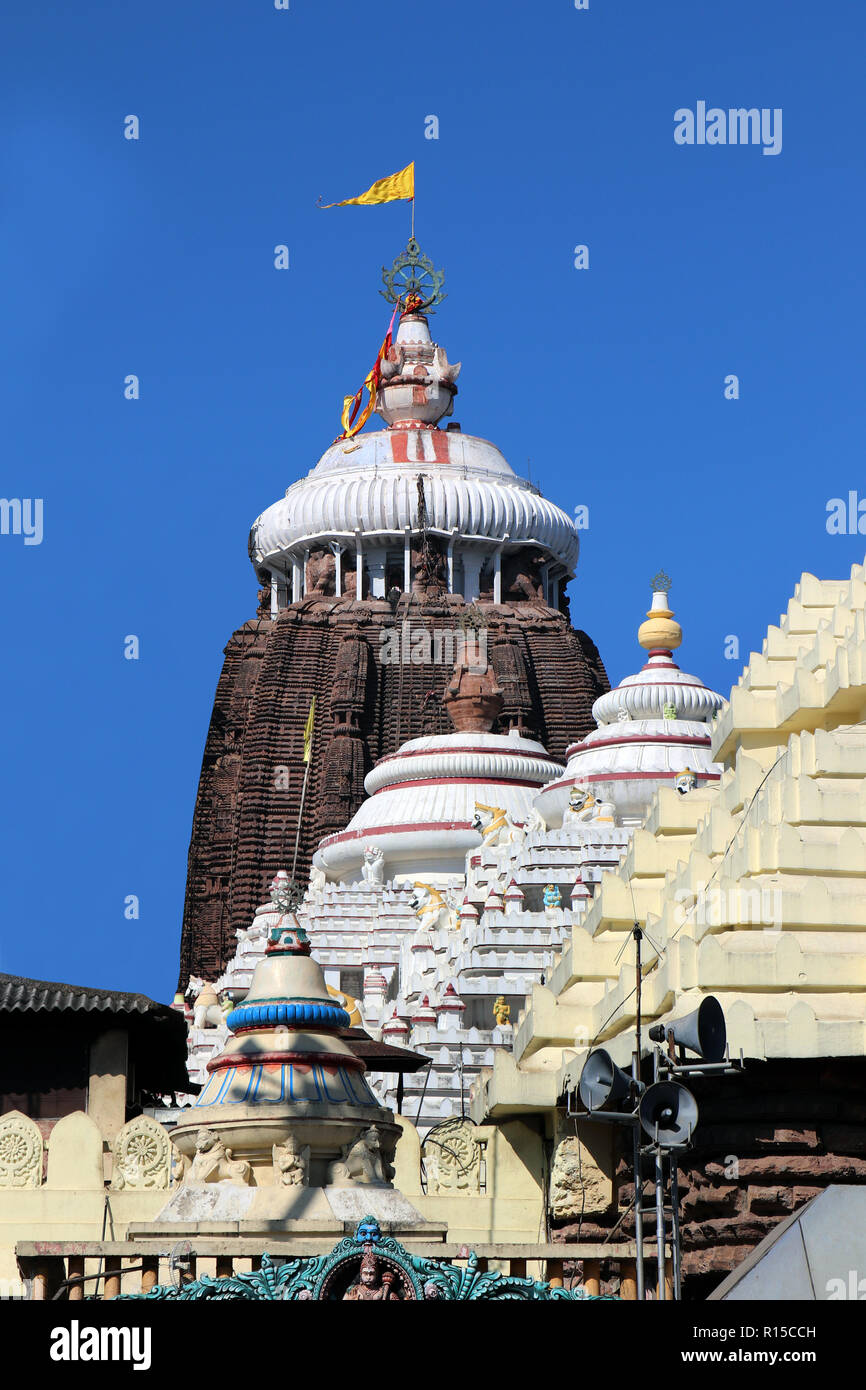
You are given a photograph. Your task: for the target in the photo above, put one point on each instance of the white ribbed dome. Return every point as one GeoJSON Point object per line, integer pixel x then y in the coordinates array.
{"type": "Point", "coordinates": [494, 757]}
{"type": "Point", "coordinates": [422, 800]}
{"type": "Point", "coordinates": [370, 485]}
{"type": "Point", "coordinates": [659, 683]}
{"type": "Point", "coordinates": [652, 727]}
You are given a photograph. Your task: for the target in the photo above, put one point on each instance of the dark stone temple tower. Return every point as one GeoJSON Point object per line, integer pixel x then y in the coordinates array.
{"type": "Point", "coordinates": [402, 549]}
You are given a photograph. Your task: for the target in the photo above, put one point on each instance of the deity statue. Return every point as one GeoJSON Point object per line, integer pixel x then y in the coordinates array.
{"type": "Point", "coordinates": [363, 1161]}
{"type": "Point", "coordinates": [552, 896]}
{"type": "Point", "coordinates": [208, 1011]}
{"type": "Point", "coordinates": [583, 808]}
{"type": "Point", "coordinates": [374, 1285]}
{"type": "Point", "coordinates": [373, 870]}
{"type": "Point", "coordinates": [433, 908]}
{"type": "Point", "coordinates": [213, 1162]}
{"type": "Point", "coordinates": [501, 1011]}
{"type": "Point", "coordinates": [291, 1163]}
{"type": "Point", "coordinates": [317, 880]}
{"type": "Point", "coordinates": [495, 826]}
{"type": "Point", "coordinates": [685, 781]}
{"type": "Point", "coordinates": [669, 710]}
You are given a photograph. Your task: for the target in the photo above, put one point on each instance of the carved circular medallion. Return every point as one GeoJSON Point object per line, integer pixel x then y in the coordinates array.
{"type": "Point", "coordinates": [20, 1152]}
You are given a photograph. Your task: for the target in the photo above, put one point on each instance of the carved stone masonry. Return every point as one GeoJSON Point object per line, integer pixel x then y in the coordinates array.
{"type": "Point", "coordinates": [142, 1156]}
{"type": "Point", "coordinates": [213, 1162]}
{"type": "Point", "coordinates": [291, 1163]}
{"type": "Point", "coordinates": [363, 1161]}
{"type": "Point", "coordinates": [452, 1158]}
{"type": "Point", "coordinates": [578, 1186]}
{"type": "Point", "coordinates": [20, 1151]}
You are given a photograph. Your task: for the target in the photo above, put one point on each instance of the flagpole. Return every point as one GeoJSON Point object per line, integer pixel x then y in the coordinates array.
{"type": "Point", "coordinates": [301, 811]}
{"type": "Point", "coordinates": [413, 216]}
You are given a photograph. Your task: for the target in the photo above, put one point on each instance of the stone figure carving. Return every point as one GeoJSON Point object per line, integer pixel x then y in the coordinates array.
{"type": "Point", "coordinates": [317, 881]}
{"type": "Point", "coordinates": [321, 573]}
{"type": "Point", "coordinates": [535, 822]}
{"type": "Point", "coordinates": [685, 781]}
{"type": "Point", "coordinates": [375, 1284]}
{"type": "Point", "coordinates": [429, 571]}
{"type": "Point", "coordinates": [291, 1163]}
{"type": "Point", "coordinates": [501, 1011]}
{"type": "Point", "coordinates": [552, 896]}
{"type": "Point", "coordinates": [142, 1156]}
{"type": "Point", "coordinates": [373, 870]}
{"type": "Point", "coordinates": [452, 1158]}
{"type": "Point", "coordinates": [207, 1010]}
{"type": "Point", "coordinates": [432, 907]}
{"type": "Point", "coordinates": [495, 826]}
{"type": "Point", "coordinates": [583, 808]}
{"type": "Point", "coordinates": [363, 1162]}
{"type": "Point", "coordinates": [577, 1184]}
{"type": "Point", "coordinates": [180, 1166]}
{"type": "Point", "coordinates": [213, 1162]}
{"type": "Point", "coordinates": [264, 599]}
{"type": "Point", "coordinates": [20, 1151]}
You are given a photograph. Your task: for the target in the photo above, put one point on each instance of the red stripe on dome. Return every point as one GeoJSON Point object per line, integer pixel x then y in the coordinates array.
{"type": "Point", "coordinates": [397, 828]}
{"type": "Point", "coordinates": [440, 446]}
{"type": "Point", "coordinates": [452, 781]}
{"type": "Point", "coordinates": [467, 748]}
{"type": "Point", "coordinates": [327, 1060]}
{"type": "Point", "coordinates": [632, 776]}
{"type": "Point", "coordinates": [644, 685]}
{"type": "Point", "coordinates": [694, 741]}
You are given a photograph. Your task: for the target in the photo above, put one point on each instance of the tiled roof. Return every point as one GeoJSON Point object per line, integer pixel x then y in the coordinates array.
{"type": "Point", "coordinates": [17, 993]}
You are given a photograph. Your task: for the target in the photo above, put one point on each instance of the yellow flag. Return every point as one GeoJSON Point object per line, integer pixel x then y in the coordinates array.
{"type": "Point", "coordinates": [389, 190]}
{"type": "Point", "coordinates": [308, 731]}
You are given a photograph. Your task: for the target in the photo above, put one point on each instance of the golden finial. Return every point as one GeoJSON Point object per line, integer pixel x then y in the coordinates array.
{"type": "Point", "coordinates": [660, 629]}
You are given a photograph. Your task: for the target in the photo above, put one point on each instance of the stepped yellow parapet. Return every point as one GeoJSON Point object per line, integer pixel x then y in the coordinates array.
{"type": "Point", "coordinates": [754, 890]}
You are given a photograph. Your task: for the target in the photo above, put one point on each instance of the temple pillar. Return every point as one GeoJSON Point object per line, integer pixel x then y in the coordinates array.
{"type": "Point", "coordinates": [376, 565]}
{"type": "Point", "coordinates": [359, 566]}
{"type": "Point", "coordinates": [451, 541]}
{"type": "Point", "coordinates": [545, 581]}
{"type": "Point", "coordinates": [472, 562]}
{"type": "Point", "coordinates": [297, 581]}
{"type": "Point", "coordinates": [497, 570]}
{"type": "Point", "coordinates": [338, 568]}
{"type": "Point", "coordinates": [106, 1092]}
{"type": "Point", "coordinates": [275, 593]}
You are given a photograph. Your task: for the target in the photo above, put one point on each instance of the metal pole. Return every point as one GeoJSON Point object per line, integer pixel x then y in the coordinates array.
{"type": "Point", "coordinates": [638, 1211]}
{"type": "Point", "coordinates": [636, 1160]}
{"type": "Point", "coordinates": [660, 1220]}
{"type": "Point", "coordinates": [301, 811]}
{"type": "Point", "coordinates": [676, 1252]}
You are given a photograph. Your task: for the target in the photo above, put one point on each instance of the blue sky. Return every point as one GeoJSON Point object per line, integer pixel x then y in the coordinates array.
{"type": "Point", "coordinates": [155, 257]}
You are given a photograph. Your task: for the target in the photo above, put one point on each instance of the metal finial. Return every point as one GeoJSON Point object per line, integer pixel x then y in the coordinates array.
{"type": "Point", "coordinates": [412, 281]}
{"type": "Point", "coordinates": [661, 583]}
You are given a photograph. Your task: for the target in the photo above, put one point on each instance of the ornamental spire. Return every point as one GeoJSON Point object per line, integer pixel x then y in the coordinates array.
{"type": "Point", "coordinates": [412, 283]}
{"type": "Point", "coordinates": [660, 632]}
